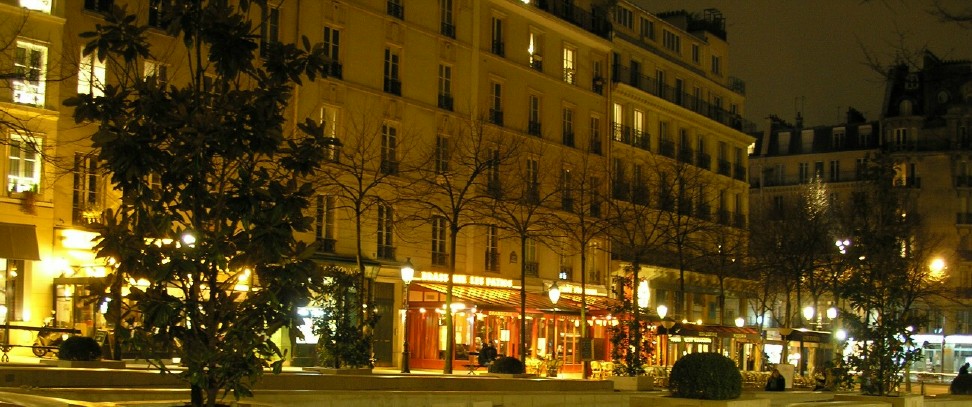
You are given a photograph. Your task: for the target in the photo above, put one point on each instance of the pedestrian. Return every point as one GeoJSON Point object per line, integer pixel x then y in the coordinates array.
{"type": "Point", "coordinates": [776, 381]}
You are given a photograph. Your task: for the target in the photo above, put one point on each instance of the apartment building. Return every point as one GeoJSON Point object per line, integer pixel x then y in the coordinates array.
{"type": "Point", "coordinates": [924, 126]}
{"type": "Point", "coordinates": [585, 93]}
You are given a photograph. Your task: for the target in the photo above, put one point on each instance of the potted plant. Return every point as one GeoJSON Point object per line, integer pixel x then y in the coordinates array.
{"type": "Point", "coordinates": [81, 351]}
{"type": "Point", "coordinates": [710, 378]}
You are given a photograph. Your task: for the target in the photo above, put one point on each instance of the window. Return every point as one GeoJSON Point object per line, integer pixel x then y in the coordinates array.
{"type": "Point", "coordinates": [672, 41]}
{"type": "Point", "coordinates": [647, 28]}
{"type": "Point", "coordinates": [392, 84]}
{"type": "Point", "coordinates": [446, 24]}
{"type": "Point", "coordinates": [497, 36]}
{"type": "Point", "coordinates": [389, 145]}
{"type": "Point", "coordinates": [535, 49]}
{"type": "Point", "coordinates": [659, 83]}
{"type": "Point", "coordinates": [638, 123]}
{"type": "Point", "coordinates": [566, 192]}
{"type": "Point", "coordinates": [596, 134]}
{"type": "Point", "coordinates": [570, 75]}
{"type": "Point", "coordinates": [91, 75]}
{"type": "Point", "coordinates": [530, 253]}
{"type": "Point", "coordinates": [86, 202]}
{"type": "Point", "coordinates": [533, 172]}
{"type": "Point", "coordinates": [900, 137]}
{"type": "Point", "coordinates": [492, 248]}
{"type": "Point", "coordinates": [863, 135]}
{"type": "Point", "coordinates": [24, 165]}
{"type": "Point", "coordinates": [496, 103]}
{"type": "Point", "coordinates": [386, 222]}
{"type": "Point", "coordinates": [445, 87]}
{"type": "Point", "coordinates": [804, 173]}
{"type": "Point", "coordinates": [568, 126]}
{"type": "Point", "coordinates": [324, 223]}
{"type": "Point", "coordinates": [328, 120]}
{"type": "Point", "coordinates": [269, 28]}
{"type": "Point", "coordinates": [440, 256]}
{"type": "Point", "coordinates": [332, 50]}
{"type": "Point", "coordinates": [696, 54]}
{"type": "Point", "coordinates": [441, 154]}
{"type": "Point", "coordinates": [43, 6]}
{"type": "Point", "coordinates": [101, 6]}
{"type": "Point", "coordinates": [717, 65]}
{"type": "Point", "coordinates": [834, 171]}
{"type": "Point", "coordinates": [30, 65]}
{"type": "Point", "coordinates": [493, 170]}
{"type": "Point", "coordinates": [533, 126]}
{"type": "Point", "coordinates": [623, 17]}
{"type": "Point", "coordinates": [678, 92]}
{"type": "Point", "coordinates": [157, 13]}
{"type": "Point", "coordinates": [396, 9]}
{"type": "Point", "coordinates": [860, 168]}
{"type": "Point", "coordinates": [838, 138]}
{"type": "Point", "coordinates": [12, 289]}
{"type": "Point", "coordinates": [156, 71]}
{"type": "Point", "coordinates": [818, 169]}
{"type": "Point", "coordinates": [618, 117]}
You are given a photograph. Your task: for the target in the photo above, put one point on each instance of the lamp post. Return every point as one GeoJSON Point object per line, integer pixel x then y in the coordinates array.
{"type": "Point", "coordinates": [408, 273]}
{"type": "Point", "coordinates": [554, 294]}
{"type": "Point", "coordinates": [666, 323]}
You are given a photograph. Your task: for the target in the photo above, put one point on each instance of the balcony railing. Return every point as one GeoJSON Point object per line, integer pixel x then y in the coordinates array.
{"type": "Point", "coordinates": [532, 268]}
{"type": "Point", "coordinates": [536, 63]}
{"type": "Point", "coordinates": [393, 86]}
{"type": "Point", "coordinates": [569, 138]}
{"type": "Point", "coordinates": [567, 203]}
{"type": "Point", "coordinates": [596, 23]}
{"type": "Point", "coordinates": [445, 102]}
{"type": "Point", "coordinates": [739, 172]}
{"type": "Point", "coordinates": [598, 85]}
{"type": "Point", "coordinates": [596, 147]}
{"type": "Point", "coordinates": [686, 155]}
{"type": "Point", "coordinates": [496, 117]}
{"type": "Point", "coordinates": [335, 70]}
{"type": "Point", "coordinates": [492, 260]}
{"type": "Point", "coordinates": [566, 273]}
{"type": "Point", "coordinates": [447, 29]}
{"type": "Point", "coordinates": [440, 259]}
{"type": "Point", "coordinates": [725, 168]}
{"type": "Point", "coordinates": [396, 10]}
{"type": "Point", "coordinates": [494, 189]}
{"type": "Point", "coordinates": [533, 128]}
{"type": "Point", "coordinates": [623, 74]}
{"type": "Point", "coordinates": [704, 161]}
{"type": "Point", "coordinates": [498, 48]}
{"type": "Point", "coordinates": [326, 245]}
{"type": "Point", "coordinates": [666, 148]}
{"type": "Point", "coordinates": [389, 167]}
{"type": "Point", "coordinates": [386, 252]}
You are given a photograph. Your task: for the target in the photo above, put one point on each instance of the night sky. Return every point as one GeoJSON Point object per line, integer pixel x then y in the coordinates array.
{"type": "Point", "coordinates": [807, 55]}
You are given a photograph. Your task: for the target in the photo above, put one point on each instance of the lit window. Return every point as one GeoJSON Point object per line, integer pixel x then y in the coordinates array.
{"type": "Point", "coordinates": [156, 71]}
{"type": "Point", "coordinates": [30, 65]}
{"type": "Point", "coordinates": [24, 165]}
{"type": "Point", "coordinates": [91, 75]}
{"type": "Point", "coordinates": [37, 5]}
{"type": "Point", "coordinates": [570, 75]}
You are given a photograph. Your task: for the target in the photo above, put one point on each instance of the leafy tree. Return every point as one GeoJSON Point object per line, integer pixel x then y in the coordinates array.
{"type": "Point", "coordinates": [888, 279]}
{"type": "Point", "coordinates": [213, 186]}
{"type": "Point", "coordinates": [343, 340]}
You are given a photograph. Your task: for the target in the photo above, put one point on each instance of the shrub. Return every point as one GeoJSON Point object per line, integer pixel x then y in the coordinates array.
{"type": "Point", "coordinates": [962, 384]}
{"type": "Point", "coordinates": [83, 348]}
{"type": "Point", "coordinates": [707, 376]}
{"type": "Point", "coordinates": [508, 365]}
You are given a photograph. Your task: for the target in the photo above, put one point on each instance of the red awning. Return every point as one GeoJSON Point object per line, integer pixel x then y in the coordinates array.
{"type": "Point", "coordinates": [498, 298]}
{"type": "Point", "coordinates": [716, 331]}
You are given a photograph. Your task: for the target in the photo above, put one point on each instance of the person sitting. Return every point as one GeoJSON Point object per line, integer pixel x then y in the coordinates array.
{"type": "Point", "coordinates": [776, 381]}
{"type": "Point", "coordinates": [487, 354]}
{"type": "Point", "coordinates": [962, 384]}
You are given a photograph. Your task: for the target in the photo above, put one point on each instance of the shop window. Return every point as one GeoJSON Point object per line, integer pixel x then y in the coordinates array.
{"type": "Point", "coordinates": [12, 290]}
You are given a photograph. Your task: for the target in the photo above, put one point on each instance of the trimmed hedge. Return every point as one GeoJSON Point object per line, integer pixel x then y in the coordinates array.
{"type": "Point", "coordinates": [81, 348]}
{"type": "Point", "coordinates": [706, 376]}
{"type": "Point", "coordinates": [508, 365]}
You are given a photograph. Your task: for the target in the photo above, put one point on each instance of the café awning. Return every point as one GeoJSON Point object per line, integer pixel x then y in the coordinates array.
{"type": "Point", "coordinates": [18, 241]}
{"type": "Point", "coordinates": [498, 298]}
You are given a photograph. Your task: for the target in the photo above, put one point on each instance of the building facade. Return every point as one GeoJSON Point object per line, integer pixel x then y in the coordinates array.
{"type": "Point", "coordinates": [587, 93]}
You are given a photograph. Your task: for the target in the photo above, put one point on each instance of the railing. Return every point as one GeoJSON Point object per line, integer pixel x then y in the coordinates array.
{"type": "Point", "coordinates": [598, 85]}
{"type": "Point", "coordinates": [496, 117]}
{"type": "Point", "coordinates": [567, 203]}
{"type": "Point", "coordinates": [445, 102]}
{"type": "Point", "coordinates": [335, 70]}
{"type": "Point", "coordinates": [703, 161]}
{"type": "Point", "coordinates": [396, 10]}
{"type": "Point", "coordinates": [686, 155]}
{"type": "Point", "coordinates": [568, 139]}
{"type": "Point", "coordinates": [740, 172]}
{"type": "Point", "coordinates": [326, 245]}
{"type": "Point", "coordinates": [596, 147]}
{"type": "Point", "coordinates": [440, 259]}
{"type": "Point", "coordinates": [532, 268]}
{"type": "Point", "coordinates": [498, 48]}
{"type": "Point", "coordinates": [448, 30]}
{"type": "Point", "coordinates": [386, 252]}
{"type": "Point", "coordinates": [533, 128]}
{"type": "Point", "coordinates": [393, 86]}
{"type": "Point", "coordinates": [536, 63]}
{"type": "Point", "coordinates": [492, 260]}
{"type": "Point", "coordinates": [623, 74]}
{"type": "Point", "coordinates": [725, 168]}
{"type": "Point", "coordinates": [666, 148]}
{"type": "Point", "coordinates": [389, 167]}
{"type": "Point", "coordinates": [595, 23]}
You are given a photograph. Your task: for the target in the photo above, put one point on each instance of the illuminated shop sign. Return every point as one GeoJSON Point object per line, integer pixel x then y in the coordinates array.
{"type": "Point", "coordinates": [463, 279]}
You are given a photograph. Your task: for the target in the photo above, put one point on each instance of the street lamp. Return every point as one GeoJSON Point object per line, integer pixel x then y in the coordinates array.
{"type": "Point", "coordinates": [408, 273]}
{"type": "Point", "coordinates": [740, 322]}
{"type": "Point", "coordinates": [554, 293]}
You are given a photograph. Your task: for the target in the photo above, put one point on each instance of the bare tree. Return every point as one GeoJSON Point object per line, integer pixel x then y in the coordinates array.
{"type": "Point", "coordinates": [457, 182]}
{"type": "Point", "coordinates": [581, 220]}
{"type": "Point", "coordinates": [521, 209]}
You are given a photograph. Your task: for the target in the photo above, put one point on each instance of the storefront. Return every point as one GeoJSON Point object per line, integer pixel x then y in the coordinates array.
{"type": "Point", "coordinates": [740, 344]}
{"type": "Point", "coordinates": [488, 309]}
